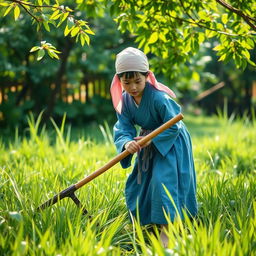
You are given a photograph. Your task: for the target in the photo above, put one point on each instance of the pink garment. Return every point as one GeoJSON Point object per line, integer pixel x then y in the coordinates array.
{"type": "Point", "coordinates": [116, 90]}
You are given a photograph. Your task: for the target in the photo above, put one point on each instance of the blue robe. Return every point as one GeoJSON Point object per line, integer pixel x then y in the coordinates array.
{"type": "Point", "coordinates": [172, 164]}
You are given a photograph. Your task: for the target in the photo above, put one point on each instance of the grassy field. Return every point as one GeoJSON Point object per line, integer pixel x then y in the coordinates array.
{"type": "Point", "coordinates": [35, 167]}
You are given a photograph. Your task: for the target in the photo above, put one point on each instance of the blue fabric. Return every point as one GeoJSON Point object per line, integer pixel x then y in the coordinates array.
{"type": "Point", "coordinates": [172, 165]}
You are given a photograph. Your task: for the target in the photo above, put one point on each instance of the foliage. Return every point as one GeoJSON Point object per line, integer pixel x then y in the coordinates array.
{"type": "Point", "coordinates": [33, 168]}
{"type": "Point", "coordinates": [174, 30]}
{"type": "Point", "coordinates": [13, 115]}
{"type": "Point", "coordinates": [77, 65]}
{"type": "Point", "coordinates": [45, 14]}
{"type": "Point", "coordinates": [97, 109]}
{"type": "Point", "coordinates": [179, 35]}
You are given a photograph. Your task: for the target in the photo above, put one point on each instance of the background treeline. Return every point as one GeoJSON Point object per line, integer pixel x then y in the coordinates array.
{"type": "Point", "coordinates": [78, 84]}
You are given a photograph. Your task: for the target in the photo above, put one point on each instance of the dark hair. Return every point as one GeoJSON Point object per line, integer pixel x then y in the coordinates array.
{"type": "Point", "coordinates": [131, 74]}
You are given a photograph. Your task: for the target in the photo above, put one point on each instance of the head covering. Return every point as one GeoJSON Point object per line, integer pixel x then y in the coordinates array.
{"type": "Point", "coordinates": [132, 59]}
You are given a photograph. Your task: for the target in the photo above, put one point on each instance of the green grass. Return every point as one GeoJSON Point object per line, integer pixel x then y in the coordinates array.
{"type": "Point", "coordinates": [35, 167]}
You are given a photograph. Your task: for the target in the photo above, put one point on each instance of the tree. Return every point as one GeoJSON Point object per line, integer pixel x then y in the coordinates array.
{"type": "Point", "coordinates": [170, 29]}
{"type": "Point", "coordinates": [41, 81]}
{"type": "Point", "coordinates": [174, 30]}
{"type": "Point", "coordinates": [44, 15]}
{"type": "Point", "coordinates": [173, 33]}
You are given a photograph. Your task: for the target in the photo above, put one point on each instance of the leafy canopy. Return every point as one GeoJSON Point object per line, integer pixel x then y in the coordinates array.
{"type": "Point", "coordinates": [46, 13]}
{"type": "Point", "coordinates": [172, 30]}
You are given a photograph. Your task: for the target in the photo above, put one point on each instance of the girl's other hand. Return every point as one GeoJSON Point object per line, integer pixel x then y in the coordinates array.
{"type": "Point", "coordinates": [132, 146]}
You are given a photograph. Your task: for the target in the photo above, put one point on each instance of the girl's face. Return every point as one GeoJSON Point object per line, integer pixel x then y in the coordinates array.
{"type": "Point", "coordinates": [135, 85]}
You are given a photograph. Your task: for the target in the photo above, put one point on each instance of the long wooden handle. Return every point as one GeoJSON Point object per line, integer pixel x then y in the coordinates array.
{"type": "Point", "coordinates": [125, 153]}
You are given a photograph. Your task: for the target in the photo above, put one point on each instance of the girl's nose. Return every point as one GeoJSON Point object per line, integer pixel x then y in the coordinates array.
{"type": "Point", "coordinates": [133, 86]}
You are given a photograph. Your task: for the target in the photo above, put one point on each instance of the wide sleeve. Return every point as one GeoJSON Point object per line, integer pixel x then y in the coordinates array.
{"type": "Point", "coordinates": [124, 131]}
{"type": "Point", "coordinates": [166, 108]}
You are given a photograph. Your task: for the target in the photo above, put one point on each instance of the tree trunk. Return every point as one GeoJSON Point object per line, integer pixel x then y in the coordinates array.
{"type": "Point", "coordinates": [27, 84]}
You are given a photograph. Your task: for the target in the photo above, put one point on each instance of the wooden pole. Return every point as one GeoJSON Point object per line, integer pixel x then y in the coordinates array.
{"type": "Point", "coordinates": [125, 153]}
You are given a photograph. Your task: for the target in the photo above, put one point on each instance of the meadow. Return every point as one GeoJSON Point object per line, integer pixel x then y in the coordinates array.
{"type": "Point", "coordinates": [39, 163]}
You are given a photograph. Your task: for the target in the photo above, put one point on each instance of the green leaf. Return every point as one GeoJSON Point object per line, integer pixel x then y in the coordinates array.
{"type": "Point", "coordinates": [210, 33]}
{"type": "Point", "coordinates": [68, 9]}
{"type": "Point", "coordinates": [46, 26]}
{"type": "Point", "coordinates": [162, 37]}
{"type": "Point", "coordinates": [4, 4]}
{"type": "Point", "coordinates": [53, 50]}
{"type": "Point", "coordinates": [75, 31]}
{"type": "Point", "coordinates": [65, 15]}
{"type": "Point", "coordinates": [8, 10]}
{"type": "Point", "coordinates": [250, 42]}
{"type": "Point", "coordinates": [82, 40]}
{"type": "Point", "coordinates": [86, 38]}
{"type": "Point", "coordinates": [77, 37]}
{"type": "Point", "coordinates": [40, 54]}
{"type": "Point", "coordinates": [244, 64]}
{"type": "Point", "coordinates": [228, 57]}
{"type": "Point", "coordinates": [35, 48]}
{"type": "Point", "coordinates": [67, 30]}
{"type": "Point", "coordinates": [146, 49]}
{"type": "Point", "coordinates": [224, 18]}
{"type": "Point", "coordinates": [222, 57]}
{"type": "Point", "coordinates": [251, 63]}
{"type": "Point", "coordinates": [153, 38]}
{"type": "Point", "coordinates": [220, 27]}
{"type": "Point", "coordinates": [142, 42]}
{"type": "Point", "coordinates": [195, 45]}
{"type": "Point", "coordinates": [196, 76]}
{"type": "Point", "coordinates": [88, 31]}
{"type": "Point", "coordinates": [237, 60]}
{"type": "Point", "coordinates": [246, 54]}
{"type": "Point", "coordinates": [52, 54]}
{"type": "Point", "coordinates": [218, 47]}
{"type": "Point", "coordinates": [55, 15]}
{"type": "Point", "coordinates": [187, 48]}
{"type": "Point", "coordinates": [201, 37]}
{"type": "Point", "coordinates": [16, 12]}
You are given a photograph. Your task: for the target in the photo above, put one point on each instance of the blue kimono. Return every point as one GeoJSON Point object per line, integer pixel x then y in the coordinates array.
{"type": "Point", "coordinates": [171, 164]}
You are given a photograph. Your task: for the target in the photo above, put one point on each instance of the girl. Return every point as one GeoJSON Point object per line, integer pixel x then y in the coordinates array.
{"type": "Point", "coordinates": [166, 162]}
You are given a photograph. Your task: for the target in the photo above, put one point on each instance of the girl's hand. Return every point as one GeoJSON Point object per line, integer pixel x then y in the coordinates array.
{"type": "Point", "coordinates": [132, 147]}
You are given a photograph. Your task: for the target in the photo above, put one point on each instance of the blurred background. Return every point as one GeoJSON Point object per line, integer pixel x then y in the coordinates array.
{"type": "Point", "coordinates": [78, 83]}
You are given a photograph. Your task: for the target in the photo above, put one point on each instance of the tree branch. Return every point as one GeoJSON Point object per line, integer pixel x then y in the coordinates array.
{"type": "Point", "coordinates": [200, 24]}
{"type": "Point", "coordinates": [185, 10]}
{"type": "Point", "coordinates": [34, 17]}
{"type": "Point", "coordinates": [194, 22]}
{"type": "Point", "coordinates": [245, 17]}
{"type": "Point", "coordinates": [34, 5]}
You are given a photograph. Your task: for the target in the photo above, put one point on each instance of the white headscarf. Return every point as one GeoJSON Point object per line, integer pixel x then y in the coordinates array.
{"type": "Point", "coordinates": [131, 59]}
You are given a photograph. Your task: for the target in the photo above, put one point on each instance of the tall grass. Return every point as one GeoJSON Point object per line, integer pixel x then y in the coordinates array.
{"type": "Point", "coordinates": [33, 168]}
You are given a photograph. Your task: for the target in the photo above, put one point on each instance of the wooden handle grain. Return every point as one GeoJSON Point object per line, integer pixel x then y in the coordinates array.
{"type": "Point", "coordinates": [125, 153]}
